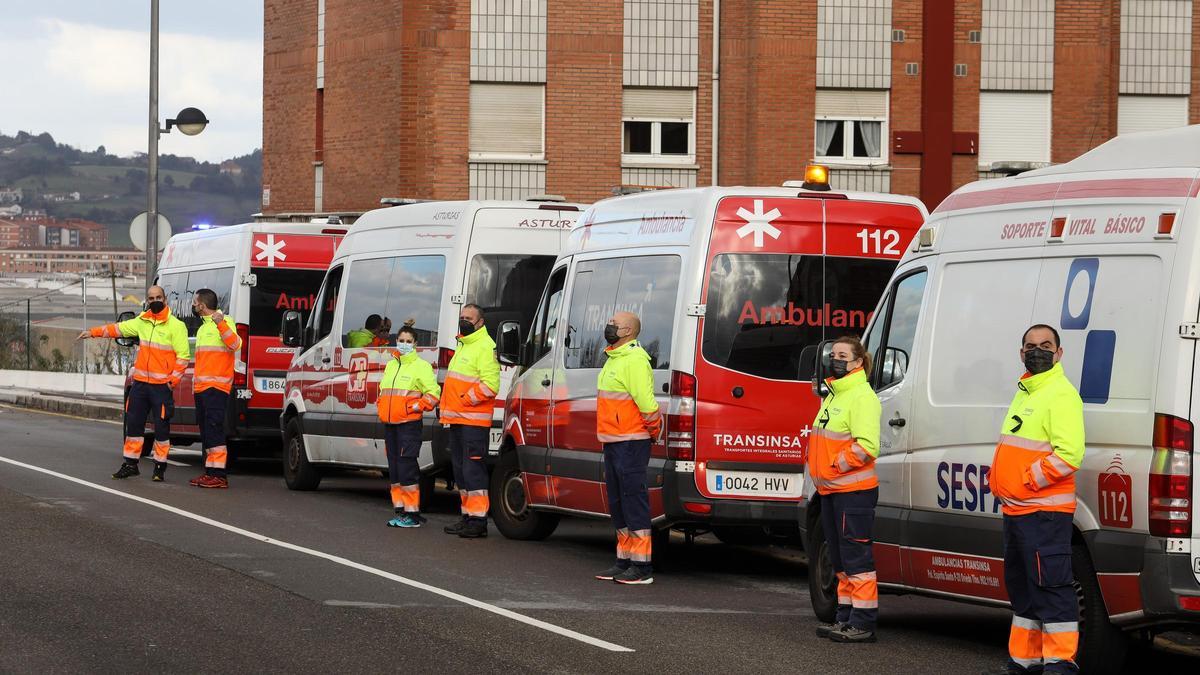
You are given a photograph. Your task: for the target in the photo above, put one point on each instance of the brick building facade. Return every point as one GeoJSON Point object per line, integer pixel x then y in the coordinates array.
{"type": "Point", "coordinates": [450, 99]}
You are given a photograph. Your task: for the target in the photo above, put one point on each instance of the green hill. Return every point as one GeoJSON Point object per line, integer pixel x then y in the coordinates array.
{"type": "Point", "coordinates": [113, 189]}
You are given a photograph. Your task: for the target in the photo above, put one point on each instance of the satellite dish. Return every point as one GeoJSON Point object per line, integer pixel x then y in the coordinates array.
{"type": "Point", "coordinates": [137, 231]}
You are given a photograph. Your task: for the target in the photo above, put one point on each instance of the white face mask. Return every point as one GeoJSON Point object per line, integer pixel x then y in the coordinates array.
{"type": "Point", "coordinates": [404, 348]}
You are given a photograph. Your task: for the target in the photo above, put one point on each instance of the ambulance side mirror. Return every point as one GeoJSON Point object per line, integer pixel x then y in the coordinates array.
{"type": "Point", "coordinates": [126, 341]}
{"type": "Point", "coordinates": [291, 328]}
{"type": "Point", "coordinates": [820, 356]}
{"type": "Point", "coordinates": [508, 343]}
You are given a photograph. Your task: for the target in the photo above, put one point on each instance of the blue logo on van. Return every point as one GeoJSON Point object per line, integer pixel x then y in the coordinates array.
{"type": "Point", "coordinates": [1100, 345]}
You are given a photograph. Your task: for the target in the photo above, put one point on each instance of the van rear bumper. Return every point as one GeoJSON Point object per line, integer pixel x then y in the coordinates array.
{"type": "Point", "coordinates": [1164, 578]}
{"type": "Point", "coordinates": [679, 490]}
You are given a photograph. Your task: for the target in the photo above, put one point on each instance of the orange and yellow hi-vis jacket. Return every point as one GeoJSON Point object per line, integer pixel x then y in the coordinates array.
{"type": "Point", "coordinates": [407, 390]}
{"type": "Point", "coordinates": [216, 355]}
{"type": "Point", "coordinates": [162, 354]}
{"type": "Point", "coordinates": [844, 442]}
{"type": "Point", "coordinates": [626, 409]}
{"type": "Point", "coordinates": [472, 381]}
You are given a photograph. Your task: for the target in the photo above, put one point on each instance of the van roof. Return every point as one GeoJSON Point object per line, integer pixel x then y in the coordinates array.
{"type": "Point", "coordinates": [446, 212]}
{"type": "Point", "coordinates": [276, 227]}
{"type": "Point", "coordinates": [1168, 149]}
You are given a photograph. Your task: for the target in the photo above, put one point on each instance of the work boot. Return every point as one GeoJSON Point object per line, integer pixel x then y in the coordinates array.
{"type": "Point", "coordinates": [416, 515]}
{"type": "Point", "coordinates": [217, 482]}
{"type": "Point", "coordinates": [849, 633]}
{"type": "Point", "coordinates": [474, 529]}
{"type": "Point", "coordinates": [160, 472]}
{"type": "Point", "coordinates": [635, 575]}
{"type": "Point", "coordinates": [195, 482]}
{"type": "Point", "coordinates": [127, 469]}
{"type": "Point", "coordinates": [456, 528]}
{"type": "Point", "coordinates": [823, 630]}
{"type": "Point", "coordinates": [612, 572]}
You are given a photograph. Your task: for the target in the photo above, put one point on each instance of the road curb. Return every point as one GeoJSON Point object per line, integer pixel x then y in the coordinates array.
{"type": "Point", "coordinates": [97, 410]}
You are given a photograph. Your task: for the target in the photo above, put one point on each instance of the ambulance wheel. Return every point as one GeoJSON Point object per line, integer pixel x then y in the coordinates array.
{"type": "Point", "coordinates": [510, 504]}
{"type": "Point", "coordinates": [1102, 646]}
{"type": "Point", "coordinates": [298, 473]}
{"type": "Point", "coordinates": [822, 582]}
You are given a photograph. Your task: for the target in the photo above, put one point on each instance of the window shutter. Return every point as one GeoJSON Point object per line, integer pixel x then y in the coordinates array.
{"type": "Point", "coordinates": [506, 119]}
{"type": "Point", "coordinates": [1014, 127]}
{"type": "Point", "coordinates": [659, 104]}
{"type": "Point", "coordinates": [1151, 113]}
{"type": "Point", "coordinates": [852, 103]}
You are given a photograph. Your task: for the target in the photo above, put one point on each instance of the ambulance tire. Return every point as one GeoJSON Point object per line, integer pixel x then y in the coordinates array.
{"type": "Point", "coordinates": [822, 582]}
{"type": "Point", "coordinates": [510, 507]}
{"type": "Point", "coordinates": [1102, 646]}
{"type": "Point", "coordinates": [298, 473]}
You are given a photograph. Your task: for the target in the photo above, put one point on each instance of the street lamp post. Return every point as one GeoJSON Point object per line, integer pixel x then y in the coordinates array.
{"type": "Point", "coordinates": [190, 122]}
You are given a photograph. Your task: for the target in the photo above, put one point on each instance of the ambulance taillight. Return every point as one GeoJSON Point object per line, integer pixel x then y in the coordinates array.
{"type": "Point", "coordinates": [239, 377]}
{"type": "Point", "coordinates": [444, 356]}
{"type": "Point", "coordinates": [681, 417]}
{"type": "Point", "coordinates": [1171, 477]}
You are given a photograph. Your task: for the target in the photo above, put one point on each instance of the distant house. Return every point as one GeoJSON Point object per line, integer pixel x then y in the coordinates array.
{"type": "Point", "coordinates": [9, 211]}
{"type": "Point", "coordinates": [13, 195]}
{"type": "Point", "coordinates": [62, 196]}
{"type": "Point", "coordinates": [231, 168]}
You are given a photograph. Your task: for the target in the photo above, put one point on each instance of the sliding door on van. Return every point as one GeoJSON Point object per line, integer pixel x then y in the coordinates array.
{"type": "Point", "coordinates": [647, 285]}
{"type": "Point", "coordinates": [382, 295]}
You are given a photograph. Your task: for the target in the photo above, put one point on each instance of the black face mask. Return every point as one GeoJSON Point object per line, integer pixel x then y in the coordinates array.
{"type": "Point", "coordinates": [196, 312]}
{"type": "Point", "coordinates": [839, 367]}
{"type": "Point", "coordinates": [1038, 361]}
{"type": "Point", "coordinates": [465, 327]}
{"type": "Point", "coordinates": [610, 334]}
{"type": "Point", "coordinates": [156, 306]}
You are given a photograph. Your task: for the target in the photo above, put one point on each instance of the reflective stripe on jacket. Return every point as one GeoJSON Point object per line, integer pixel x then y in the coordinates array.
{"type": "Point", "coordinates": [472, 381]}
{"type": "Point", "coordinates": [216, 355]}
{"type": "Point", "coordinates": [162, 354]}
{"type": "Point", "coordinates": [407, 390]}
{"type": "Point", "coordinates": [1041, 446]}
{"type": "Point", "coordinates": [626, 409]}
{"type": "Point", "coordinates": [844, 441]}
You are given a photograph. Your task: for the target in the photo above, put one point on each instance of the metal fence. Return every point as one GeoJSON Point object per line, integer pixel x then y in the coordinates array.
{"type": "Point", "coordinates": [40, 318]}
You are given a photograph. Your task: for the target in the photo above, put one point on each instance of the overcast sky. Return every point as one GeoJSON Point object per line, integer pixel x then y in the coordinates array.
{"type": "Point", "coordinates": [79, 69]}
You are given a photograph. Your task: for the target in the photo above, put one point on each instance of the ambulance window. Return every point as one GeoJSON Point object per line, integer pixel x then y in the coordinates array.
{"type": "Point", "coordinates": [277, 290]}
{"type": "Point", "coordinates": [645, 285]}
{"type": "Point", "coordinates": [507, 287]}
{"type": "Point", "coordinates": [218, 280]}
{"type": "Point", "coordinates": [542, 333]}
{"type": "Point", "coordinates": [327, 303]}
{"type": "Point", "coordinates": [415, 292]}
{"type": "Point", "coordinates": [891, 354]}
{"type": "Point", "coordinates": [175, 288]}
{"type": "Point", "coordinates": [366, 302]}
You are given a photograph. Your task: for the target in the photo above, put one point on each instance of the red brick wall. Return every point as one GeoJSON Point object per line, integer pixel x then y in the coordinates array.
{"type": "Point", "coordinates": [905, 114]}
{"type": "Point", "coordinates": [289, 83]}
{"type": "Point", "coordinates": [584, 46]}
{"type": "Point", "coordinates": [968, 16]}
{"type": "Point", "coordinates": [1087, 43]}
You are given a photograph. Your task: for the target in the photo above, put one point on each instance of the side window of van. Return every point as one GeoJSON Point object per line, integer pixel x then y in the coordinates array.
{"type": "Point", "coordinates": [383, 294]}
{"type": "Point", "coordinates": [327, 303]}
{"type": "Point", "coordinates": [543, 332]}
{"type": "Point", "coordinates": [893, 335]}
{"type": "Point", "coordinates": [366, 303]}
{"type": "Point", "coordinates": [180, 287]}
{"type": "Point", "coordinates": [648, 286]}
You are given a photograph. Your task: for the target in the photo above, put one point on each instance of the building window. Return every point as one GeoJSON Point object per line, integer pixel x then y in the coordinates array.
{"type": "Point", "coordinates": [507, 121]}
{"type": "Point", "coordinates": [851, 126]}
{"type": "Point", "coordinates": [658, 126]}
{"type": "Point", "coordinates": [1014, 127]}
{"type": "Point", "coordinates": [1150, 113]}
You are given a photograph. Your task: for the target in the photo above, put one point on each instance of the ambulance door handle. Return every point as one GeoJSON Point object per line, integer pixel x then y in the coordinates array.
{"type": "Point", "coordinates": [738, 392]}
{"type": "Point", "coordinates": [546, 382]}
{"type": "Point", "coordinates": [326, 360]}
{"type": "Point", "coordinates": [897, 421]}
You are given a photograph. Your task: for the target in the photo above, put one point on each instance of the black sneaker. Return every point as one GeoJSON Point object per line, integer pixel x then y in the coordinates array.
{"type": "Point", "coordinates": [160, 472]}
{"type": "Point", "coordinates": [416, 515]}
{"type": "Point", "coordinates": [126, 471]}
{"type": "Point", "coordinates": [825, 629]}
{"type": "Point", "coordinates": [455, 528]}
{"type": "Point", "coordinates": [612, 572]}
{"type": "Point", "coordinates": [849, 633]}
{"type": "Point", "coordinates": [635, 575]}
{"type": "Point", "coordinates": [474, 530]}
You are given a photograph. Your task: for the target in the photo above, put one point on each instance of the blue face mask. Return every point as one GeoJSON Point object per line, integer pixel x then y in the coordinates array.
{"type": "Point", "coordinates": [404, 348]}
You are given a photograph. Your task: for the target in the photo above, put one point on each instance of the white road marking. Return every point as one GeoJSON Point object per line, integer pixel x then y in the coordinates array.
{"type": "Point", "coordinates": [345, 562]}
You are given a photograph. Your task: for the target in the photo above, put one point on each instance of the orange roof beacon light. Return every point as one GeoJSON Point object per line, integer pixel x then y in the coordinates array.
{"type": "Point", "coordinates": [816, 177]}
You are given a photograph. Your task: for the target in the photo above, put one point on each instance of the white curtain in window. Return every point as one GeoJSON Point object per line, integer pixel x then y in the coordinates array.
{"type": "Point", "coordinates": [826, 129]}
{"type": "Point", "coordinates": [870, 135]}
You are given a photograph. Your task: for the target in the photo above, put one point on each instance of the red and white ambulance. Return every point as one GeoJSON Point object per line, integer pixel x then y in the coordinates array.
{"type": "Point", "coordinates": [259, 271]}
{"type": "Point", "coordinates": [731, 285]}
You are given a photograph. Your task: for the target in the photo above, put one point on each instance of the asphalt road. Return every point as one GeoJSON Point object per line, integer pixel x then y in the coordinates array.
{"type": "Point", "coordinates": [135, 576]}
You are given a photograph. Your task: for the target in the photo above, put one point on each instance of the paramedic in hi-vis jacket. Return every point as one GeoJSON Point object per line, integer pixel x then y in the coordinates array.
{"type": "Point", "coordinates": [162, 357]}
{"type": "Point", "coordinates": [468, 398]}
{"type": "Point", "coordinates": [1033, 475]}
{"type": "Point", "coordinates": [407, 391]}
{"type": "Point", "coordinates": [217, 346]}
{"type": "Point", "coordinates": [842, 450]}
{"type": "Point", "coordinates": [627, 422]}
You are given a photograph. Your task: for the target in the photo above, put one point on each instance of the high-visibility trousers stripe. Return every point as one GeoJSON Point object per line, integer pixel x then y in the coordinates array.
{"type": "Point", "coordinates": [133, 447]}
{"type": "Point", "coordinates": [161, 450]}
{"type": "Point", "coordinates": [477, 503]}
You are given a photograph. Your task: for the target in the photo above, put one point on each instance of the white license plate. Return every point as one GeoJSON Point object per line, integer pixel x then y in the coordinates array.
{"type": "Point", "coordinates": [754, 483]}
{"type": "Point", "coordinates": [270, 385]}
{"type": "Point", "coordinates": [494, 438]}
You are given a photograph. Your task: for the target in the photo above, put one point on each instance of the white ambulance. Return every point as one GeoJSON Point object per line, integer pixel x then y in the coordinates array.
{"type": "Point", "coordinates": [420, 261]}
{"type": "Point", "coordinates": [258, 271]}
{"type": "Point", "coordinates": [730, 285]}
{"type": "Point", "coordinates": [1106, 249]}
